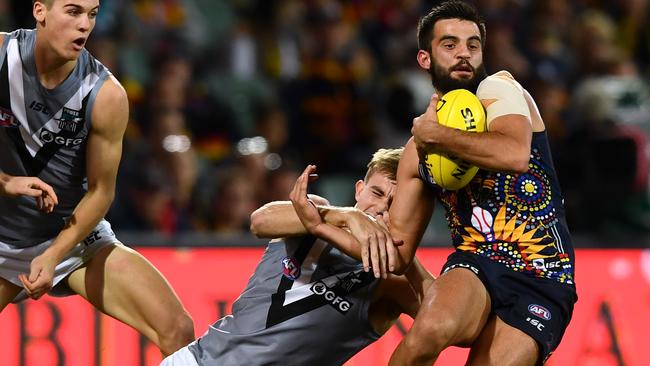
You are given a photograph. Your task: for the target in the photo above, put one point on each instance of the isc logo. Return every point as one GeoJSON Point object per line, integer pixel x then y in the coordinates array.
{"type": "Point", "coordinates": [539, 311]}
{"type": "Point", "coordinates": [93, 237]}
{"type": "Point", "coordinates": [536, 323]}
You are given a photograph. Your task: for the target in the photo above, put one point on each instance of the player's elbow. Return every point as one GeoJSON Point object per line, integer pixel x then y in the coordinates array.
{"type": "Point", "coordinates": [401, 266]}
{"type": "Point", "coordinates": [516, 161]}
{"type": "Point", "coordinates": [258, 220]}
{"type": "Point", "coordinates": [399, 270]}
{"type": "Point", "coordinates": [102, 195]}
{"type": "Point", "coordinates": [110, 195]}
{"type": "Point", "coordinates": [520, 163]}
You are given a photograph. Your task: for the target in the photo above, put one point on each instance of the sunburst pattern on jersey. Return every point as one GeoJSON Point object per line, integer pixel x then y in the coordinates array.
{"type": "Point", "coordinates": [528, 193]}
{"type": "Point", "coordinates": [516, 246]}
{"type": "Point", "coordinates": [508, 231]}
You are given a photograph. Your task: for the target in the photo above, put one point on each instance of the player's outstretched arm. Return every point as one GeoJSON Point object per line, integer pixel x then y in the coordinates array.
{"type": "Point", "coordinates": [278, 219]}
{"type": "Point", "coordinates": [372, 242]}
{"type": "Point", "coordinates": [411, 209]}
{"type": "Point", "coordinates": [104, 149]}
{"type": "Point", "coordinates": [315, 224]}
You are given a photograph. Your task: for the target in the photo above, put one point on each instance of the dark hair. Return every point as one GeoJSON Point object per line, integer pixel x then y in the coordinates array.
{"type": "Point", "coordinates": [451, 9]}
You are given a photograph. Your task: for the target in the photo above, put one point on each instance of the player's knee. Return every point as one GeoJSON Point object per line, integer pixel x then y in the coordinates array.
{"type": "Point", "coordinates": [184, 329]}
{"type": "Point", "coordinates": [418, 349]}
{"type": "Point", "coordinates": [432, 335]}
{"type": "Point", "coordinates": [178, 332]}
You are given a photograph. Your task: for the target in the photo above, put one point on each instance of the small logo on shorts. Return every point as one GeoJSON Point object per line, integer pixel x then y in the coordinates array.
{"type": "Point", "coordinates": [539, 311]}
{"type": "Point", "coordinates": [536, 323]}
{"type": "Point", "coordinates": [290, 268]}
{"type": "Point", "coordinates": [93, 237]}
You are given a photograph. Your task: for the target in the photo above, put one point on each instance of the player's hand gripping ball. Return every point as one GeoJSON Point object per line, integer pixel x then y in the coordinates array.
{"type": "Point", "coordinates": [459, 109]}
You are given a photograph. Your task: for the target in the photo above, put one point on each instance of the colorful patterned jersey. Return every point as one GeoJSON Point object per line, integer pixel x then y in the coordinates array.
{"type": "Point", "coordinates": [514, 219]}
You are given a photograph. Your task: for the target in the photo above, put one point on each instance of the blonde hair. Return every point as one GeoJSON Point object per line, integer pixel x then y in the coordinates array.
{"type": "Point", "coordinates": [384, 161]}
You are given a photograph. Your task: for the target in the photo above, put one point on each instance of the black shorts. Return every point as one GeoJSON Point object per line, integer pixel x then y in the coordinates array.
{"type": "Point", "coordinates": [539, 307]}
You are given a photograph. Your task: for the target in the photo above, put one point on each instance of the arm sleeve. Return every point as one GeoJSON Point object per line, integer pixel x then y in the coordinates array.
{"type": "Point", "coordinates": [508, 96]}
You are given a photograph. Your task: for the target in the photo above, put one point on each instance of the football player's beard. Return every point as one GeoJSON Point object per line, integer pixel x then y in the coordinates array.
{"type": "Point", "coordinates": [443, 82]}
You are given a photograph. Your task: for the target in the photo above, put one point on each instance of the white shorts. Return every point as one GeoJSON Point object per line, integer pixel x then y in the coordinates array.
{"type": "Point", "coordinates": [182, 357]}
{"type": "Point", "coordinates": [15, 261]}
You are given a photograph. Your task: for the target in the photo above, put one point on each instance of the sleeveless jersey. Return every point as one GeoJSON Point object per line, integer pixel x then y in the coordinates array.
{"type": "Point", "coordinates": [43, 133]}
{"type": "Point", "coordinates": [306, 304]}
{"type": "Point", "coordinates": [517, 220]}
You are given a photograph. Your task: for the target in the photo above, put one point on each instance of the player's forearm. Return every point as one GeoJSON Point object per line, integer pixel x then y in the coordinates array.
{"type": "Point", "coordinates": [338, 216]}
{"type": "Point", "coordinates": [419, 278]}
{"type": "Point", "coordinates": [405, 253]}
{"type": "Point", "coordinates": [410, 212]}
{"type": "Point", "coordinates": [275, 220]}
{"type": "Point", "coordinates": [374, 244]}
{"type": "Point", "coordinates": [340, 239]}
{"type": "Point", "coordinates": [279, 219]}
{"type": "Point", "coordinates": [409, 229]}
{"type": "Point", "coordinates": [492, 150]}
{"type": "Point", "coordinates": [90, 210]}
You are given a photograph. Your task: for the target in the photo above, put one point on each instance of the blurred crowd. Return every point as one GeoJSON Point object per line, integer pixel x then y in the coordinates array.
{"type": "Point", "coordinates": [230, 99]}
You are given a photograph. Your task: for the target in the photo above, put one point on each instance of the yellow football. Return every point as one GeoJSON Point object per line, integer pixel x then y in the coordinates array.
{"type": "Point", "coordinates": [459, 109]}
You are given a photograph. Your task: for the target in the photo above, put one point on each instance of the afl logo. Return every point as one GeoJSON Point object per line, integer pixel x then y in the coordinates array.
{"type": "Point", "coordinates": [7, 118]}
{"type": "Point", "coordinates": [290, 268]}
{"type": "Point", "coordinates": [539, 311]}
